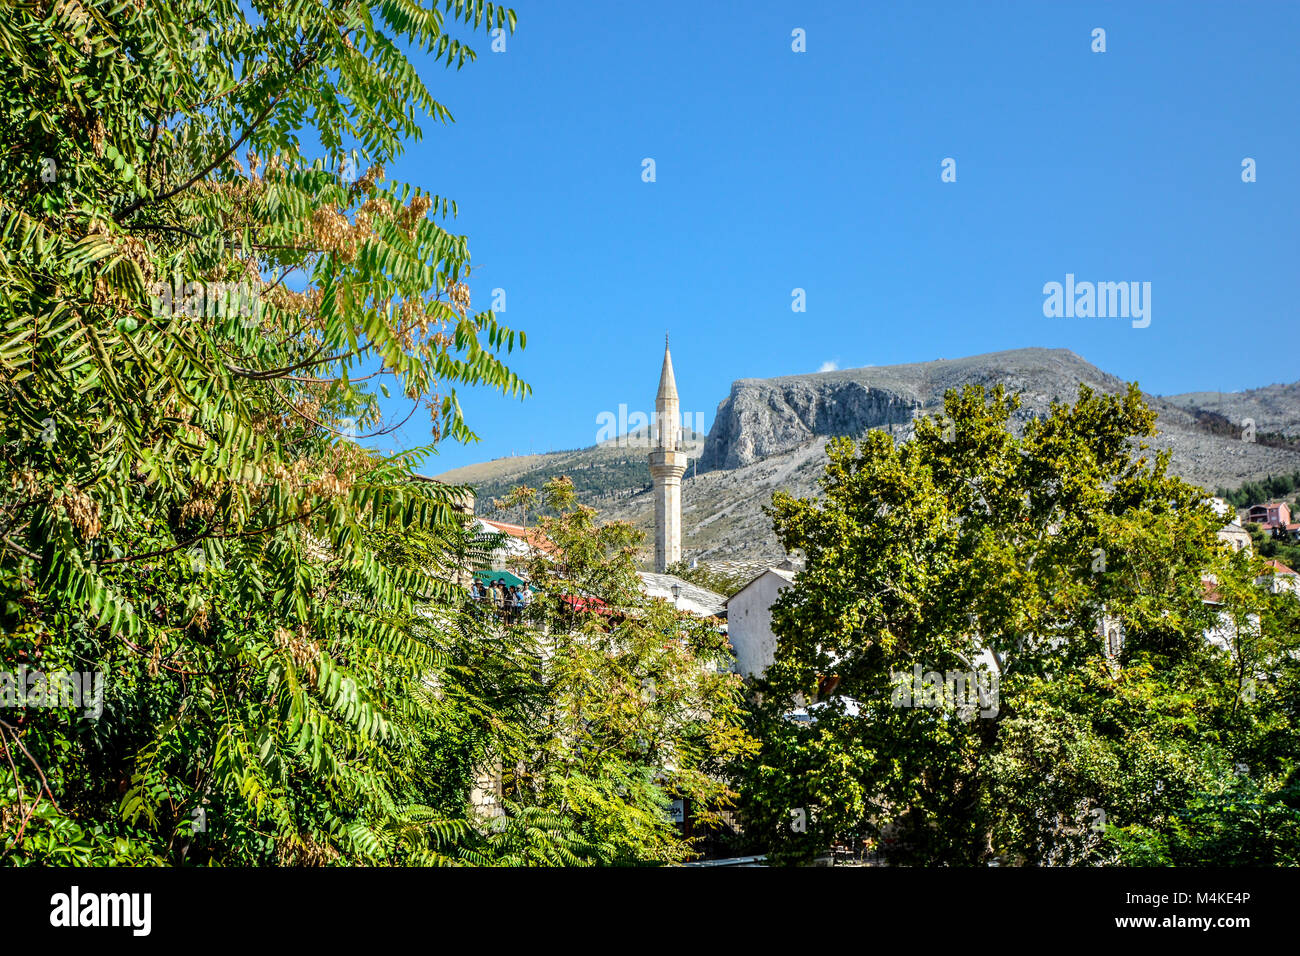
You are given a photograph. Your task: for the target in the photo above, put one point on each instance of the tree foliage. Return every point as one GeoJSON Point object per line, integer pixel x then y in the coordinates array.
{"type": "Point", "coordinates": [1067, 563]}
{"type": "Point", "coordinates": [196, 322]}
{"type": "Point", "coordinates": [637, 703]}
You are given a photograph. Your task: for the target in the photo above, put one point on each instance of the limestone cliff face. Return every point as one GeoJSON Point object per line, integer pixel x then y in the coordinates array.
{"type": "Point", "coordinates": [765, 417]}
{"type": "Point", "coordinates": [762, 418]}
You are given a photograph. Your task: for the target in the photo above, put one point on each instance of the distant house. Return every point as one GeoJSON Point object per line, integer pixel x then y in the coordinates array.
{"type": "Point", "coordinates": [1220, 506]}
{"type": "Point", "coordinates": [1279, 578]}
{"type": "Point", "coordinates": [749, 620]}
{"type": "Point", "coordinates": [1270, 515]}
{"type": "Point", "coordinates": [1224, 633]}
{"type": "Point", "coordinates": [1236, 536]}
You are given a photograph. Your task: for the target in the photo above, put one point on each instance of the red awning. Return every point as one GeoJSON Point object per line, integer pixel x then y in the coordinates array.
{"type": "Point", "coordinates": [585, 603]}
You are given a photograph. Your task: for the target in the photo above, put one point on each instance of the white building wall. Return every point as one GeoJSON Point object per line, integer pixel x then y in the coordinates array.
{"type": "Point", "coordinates": [749, 623]}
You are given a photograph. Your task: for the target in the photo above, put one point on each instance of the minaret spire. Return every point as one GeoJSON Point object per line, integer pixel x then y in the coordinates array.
{"type": "Point", "coordinates": [667, 407]}
{"type": "Point", "coordinates": [667, 464]}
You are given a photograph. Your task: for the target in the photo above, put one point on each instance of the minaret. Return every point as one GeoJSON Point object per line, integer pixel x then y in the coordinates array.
{"type": "Point", "coordinates": [667, 464]}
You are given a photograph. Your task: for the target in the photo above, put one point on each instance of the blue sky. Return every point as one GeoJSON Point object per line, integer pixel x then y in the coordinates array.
{"type": "Point", "coordinates": [820, 170]}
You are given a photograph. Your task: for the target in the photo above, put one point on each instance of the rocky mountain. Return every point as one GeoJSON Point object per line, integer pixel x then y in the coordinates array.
{"type": "Point", "coordinates": [771, 433]}
{"type": "Point", "coordinates": [765, 417]}
{"type": "Point", "coordinates": [1273, 408]}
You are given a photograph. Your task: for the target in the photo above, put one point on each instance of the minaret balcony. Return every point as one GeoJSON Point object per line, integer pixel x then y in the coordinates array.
{"type": "Point", "coordinates": [667, 463]}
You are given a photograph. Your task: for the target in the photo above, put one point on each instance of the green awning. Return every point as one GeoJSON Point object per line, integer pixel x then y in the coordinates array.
{"type": "Point", "coordinates": [491, 577]}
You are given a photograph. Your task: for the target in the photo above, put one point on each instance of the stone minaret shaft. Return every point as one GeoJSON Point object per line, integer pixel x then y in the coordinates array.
{"type": "Point", "coordinates": [667, 464]}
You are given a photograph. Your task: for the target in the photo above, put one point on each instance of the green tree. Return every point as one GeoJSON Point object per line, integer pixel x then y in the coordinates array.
{"type": "Point", "coordinates": [521, 497]}
{"type": "Point", "coordinates": [1013, 558]}
{"type": "Point", "coordinates": [637, 706]}
{"type": "Point", "coordinates": [196, 324]}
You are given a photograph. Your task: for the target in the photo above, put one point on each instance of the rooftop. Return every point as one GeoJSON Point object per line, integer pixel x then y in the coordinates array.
{"type": "Point", "coordinates": [691, 597]}
{"type": "Point", "coordinates": [786, 573]}
{"type": "Point", "coordinates": [532, 537]}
